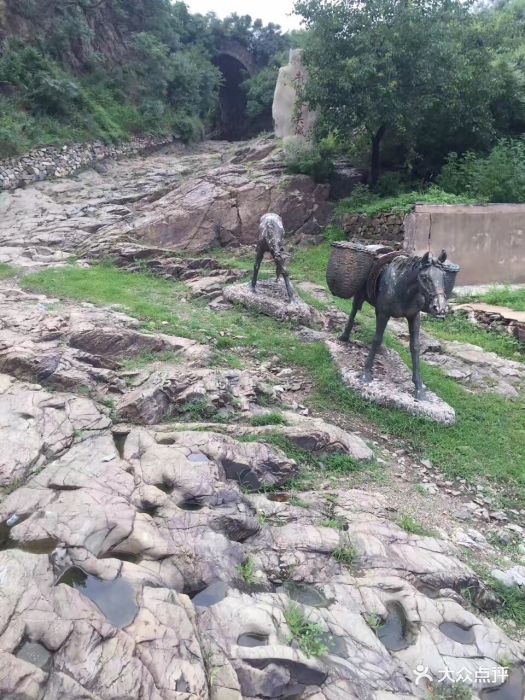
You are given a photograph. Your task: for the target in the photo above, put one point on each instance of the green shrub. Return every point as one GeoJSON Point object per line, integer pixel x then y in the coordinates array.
{"type": "Point", "coordinates": [363, 201]}
{"type": "Point", "coordinates": [496, 177]}
{"type": "Point", "coordinates": [315, 160]}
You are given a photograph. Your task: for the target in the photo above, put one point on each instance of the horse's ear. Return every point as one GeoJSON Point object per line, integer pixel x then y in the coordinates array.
{"type": "Point", "coordinates": [442, 256]}
{"type": "Point", "coordinates": [426, 260]}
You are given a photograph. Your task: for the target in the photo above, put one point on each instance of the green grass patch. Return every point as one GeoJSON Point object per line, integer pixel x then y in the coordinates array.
{"type": "Point", "coordinates": [413, 526]}
{"type": "Point", "coordinates": [488, 439]}
{"type": "Point", "coordinates": [500, 296]}
{"type": "Point", "coordinates": [146, 358]}
{"type": "Point", "coordinates": [512, 601]}
{"type": "Point", "coordinates": [310, 637]}
{"type": "Point", "coordinates": [6, 271]}
{"type": "Point", "coordinates": [273, 418]}
{"type": "Point", "coordinates": [457, 327]}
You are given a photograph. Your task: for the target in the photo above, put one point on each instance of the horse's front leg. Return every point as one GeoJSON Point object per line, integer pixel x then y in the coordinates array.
{"type": "Point", "coordinates": [414, 325]}
{"type": "Point", "coordinates": [381, 321]}
{"type": "Point", "coordinates": [356, 306]}
{"type": "Point", "coordinates": [259, 255]}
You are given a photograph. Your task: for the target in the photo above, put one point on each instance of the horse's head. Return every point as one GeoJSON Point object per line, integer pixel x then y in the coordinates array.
{"type": "Point", "coordinates": [431, 279]}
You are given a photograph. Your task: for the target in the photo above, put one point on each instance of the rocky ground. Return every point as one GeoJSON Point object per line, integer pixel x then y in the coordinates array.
{"type": "Point", "coordinates": [174, 527]}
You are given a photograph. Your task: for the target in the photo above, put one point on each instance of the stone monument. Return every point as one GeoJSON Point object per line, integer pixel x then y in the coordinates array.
{"type": "Point", "coordinates": [292, 122]}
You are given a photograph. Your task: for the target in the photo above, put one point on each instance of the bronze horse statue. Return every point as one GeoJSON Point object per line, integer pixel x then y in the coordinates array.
{"type": "Point", "coordinates": [271, 240]}
{"type": "Point", "coordinates": [398, 286]}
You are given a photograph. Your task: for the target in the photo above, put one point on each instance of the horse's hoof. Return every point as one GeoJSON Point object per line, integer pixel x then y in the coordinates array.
{"type": "Point", "coordinates": [344, 338]}
{"type": "Point", "coordinates": [421, 395]}
{"type": "Point", "coordinates": [366, 377]}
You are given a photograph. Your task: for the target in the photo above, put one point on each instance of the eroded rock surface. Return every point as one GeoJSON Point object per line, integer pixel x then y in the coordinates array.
{"type": "Point", "coordinates": [113, 543]}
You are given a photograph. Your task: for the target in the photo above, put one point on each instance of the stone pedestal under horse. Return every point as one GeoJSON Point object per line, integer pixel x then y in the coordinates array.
{"type": "Point", "coordinates": [401, 285]}
{"type": "Point", "coordinates": [271, 240]}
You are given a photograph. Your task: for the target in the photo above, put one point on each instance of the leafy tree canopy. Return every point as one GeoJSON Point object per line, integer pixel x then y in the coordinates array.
{"type": "Point", "coordinates": [428, 74]}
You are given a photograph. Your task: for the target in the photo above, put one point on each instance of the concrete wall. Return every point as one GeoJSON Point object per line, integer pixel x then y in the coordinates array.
{"type": "Point", "coordinates": [488, 241]}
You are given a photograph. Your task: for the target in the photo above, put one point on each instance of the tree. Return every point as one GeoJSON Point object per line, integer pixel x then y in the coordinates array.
{"type": "Point", "coordinates": [416, 70]}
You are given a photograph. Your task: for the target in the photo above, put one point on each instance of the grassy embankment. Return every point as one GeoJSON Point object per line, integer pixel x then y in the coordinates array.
{"type": "Point", "coordinates": [488, 440]}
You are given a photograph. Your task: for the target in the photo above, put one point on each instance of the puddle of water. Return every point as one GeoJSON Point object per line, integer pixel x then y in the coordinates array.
{"type": "Point", "coordinates": [43, 546]}
{"type": "Point", "coordinates": [463, 635]}
{"type": "Point", "coordinates": [197, 457]}
{"type": "Point", "coordinates": [252, 640]}
{"type": "Point", "coordinates": [36, 654]}
{"type": "Point", "coordinates": [116, 599]}
{"type": "Point", "coordinates": [190, 504]}
{"type": "Point", "coordinates": [393, 632]}
{"type": "Point", "coordinates": [211, 595]}
{"type": "Point", "coordinates": [512, 689]}
{"type": "Point", "coordinates": [304, 593]}
{"type": "Point", "coordinates": [279, 497]}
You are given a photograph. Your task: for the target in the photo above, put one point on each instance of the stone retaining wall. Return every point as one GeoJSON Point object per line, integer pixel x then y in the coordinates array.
{"type": "Point", "coordinates": [59, 161]}
{"type": "Point", "coordinates": [385, 228]}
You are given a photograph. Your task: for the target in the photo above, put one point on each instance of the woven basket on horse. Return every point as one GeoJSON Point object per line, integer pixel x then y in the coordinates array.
{"type": "Point", "coordinates": [451, 272]}
{"type": "Point", "coordinates": [348, 268]}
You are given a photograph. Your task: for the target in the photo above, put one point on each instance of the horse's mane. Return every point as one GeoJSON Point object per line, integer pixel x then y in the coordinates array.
{"type": "Point", "coordinates": [407, 263]}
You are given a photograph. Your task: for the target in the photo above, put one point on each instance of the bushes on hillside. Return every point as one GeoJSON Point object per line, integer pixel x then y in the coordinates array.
{"type": "Point", "coordinates": [316, 160]}
{"type": "Point", "coordinates": [496, 177]}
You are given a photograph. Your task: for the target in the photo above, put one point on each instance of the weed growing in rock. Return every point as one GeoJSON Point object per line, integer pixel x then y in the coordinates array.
{"type": "Point", "coordinates": [374, 621]}
{"type": "Point", "coordinates": [346, 554]}
{"type": "Point", "coordinates": [298, 502]}
{"type": "Point", "coordinates": [246, 571]}
{"type": "Point", "coordinates": [413, 526]}
{"type": "Point", "coordinates": [455, 691]}
{"type": "Point", "coordinates": [310, 637]}
{"type": "Point", "coordinates": [273, 418]}
{"type": "Point", "coordinates": [336, 523]}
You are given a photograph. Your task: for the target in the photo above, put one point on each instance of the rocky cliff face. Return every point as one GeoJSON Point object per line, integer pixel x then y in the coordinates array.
{"type": "Point", "coordinates": [105, 27]}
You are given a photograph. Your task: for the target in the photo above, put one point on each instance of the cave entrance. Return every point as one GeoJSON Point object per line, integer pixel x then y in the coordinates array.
{"type": "Point", "coordinates": [232, 122]}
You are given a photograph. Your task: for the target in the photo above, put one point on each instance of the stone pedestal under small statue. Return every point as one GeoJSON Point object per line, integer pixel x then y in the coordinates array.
{"type": "Point", "coordinates": [392, 384]}
{"type": "Point", "coordinates": [271, 299]}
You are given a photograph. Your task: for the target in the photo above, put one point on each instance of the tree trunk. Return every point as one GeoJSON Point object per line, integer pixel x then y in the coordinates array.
{"type": "Point", "coordinates": [375, 162]}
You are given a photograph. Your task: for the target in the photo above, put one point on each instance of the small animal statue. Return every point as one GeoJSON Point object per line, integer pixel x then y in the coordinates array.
{"type": "Point", "coordinates": [271, 240]}
{"type": "Point", "coordinates": [403, 286]}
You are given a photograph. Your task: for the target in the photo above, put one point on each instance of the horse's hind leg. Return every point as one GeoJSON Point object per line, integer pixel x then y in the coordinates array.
{"type": "Point", "coordinates": [356, 306]}
{"type": "Point", "coordinates": [258, 260]}
{"type": "Point", "coordinates": [381, 321]}
{"type": "Point", "coordinates": [282, 271]}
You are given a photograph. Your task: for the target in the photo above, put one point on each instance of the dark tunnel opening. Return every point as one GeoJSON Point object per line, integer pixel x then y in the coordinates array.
{"type": "Point", "coordinates": [232, 122]}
